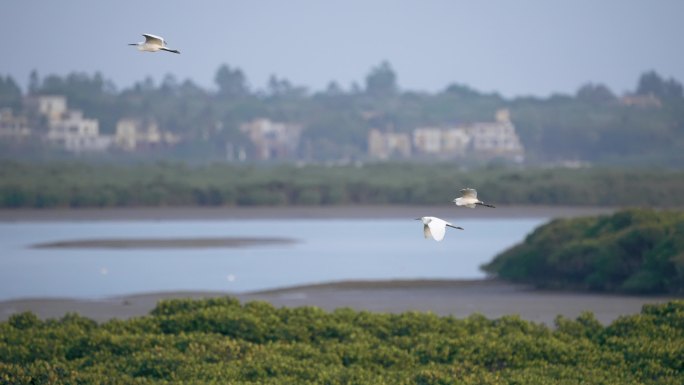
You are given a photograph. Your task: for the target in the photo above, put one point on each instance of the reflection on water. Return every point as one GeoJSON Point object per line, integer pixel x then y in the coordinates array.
{"type": "Point", "coordinates": [328, 250]}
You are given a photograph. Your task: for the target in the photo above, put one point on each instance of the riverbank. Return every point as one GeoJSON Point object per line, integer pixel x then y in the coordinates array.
{"type": "Point", "coordinates": [459, 298]}
{"type": "Point", "coordinates": [293, 212]}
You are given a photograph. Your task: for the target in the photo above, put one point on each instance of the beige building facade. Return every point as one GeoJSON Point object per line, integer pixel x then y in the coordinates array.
{"type": "Point", "coordinates": [484, 139]}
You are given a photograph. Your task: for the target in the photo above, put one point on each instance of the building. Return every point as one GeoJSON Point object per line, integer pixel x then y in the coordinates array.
{"type": "Point", "coordinates": [272, 140]}
{"type": "Point", "coordinates": [496, 139]}
{"type": "Point", "coordinates": [67, 128]}
{"type": "Point", "coordinates": [443, 142]}
{"type": "Point", "coordinates": [13, 127]}
{"type": "Point", "coordinates": [53, 107]}
{"type": "Point", "coordinates": [385, 145]}
{"type": "Point", "coordinates": [455, 141]}
{"type": "Point", "coordinates": [76, 133]}
{"type": "Point", "coordinates": [132, 134]}
{"type": "Point", "coordinates": [427, 140]}
{"type": "Point", "coordinates": [642, 101]}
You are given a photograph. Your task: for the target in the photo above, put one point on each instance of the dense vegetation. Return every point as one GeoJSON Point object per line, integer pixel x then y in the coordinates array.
{"type": "Point", "coordinates": [593, 125]}
{"type": "Point", "coordinates": [108, 185]}
{"type": "Point", "coordinates": [220, 341]}
{"type": "Point", "coordinates": [635, 251]}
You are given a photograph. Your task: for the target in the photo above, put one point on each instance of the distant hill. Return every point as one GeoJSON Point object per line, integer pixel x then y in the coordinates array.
{"type": "Point", "coordinates": [631, 251]}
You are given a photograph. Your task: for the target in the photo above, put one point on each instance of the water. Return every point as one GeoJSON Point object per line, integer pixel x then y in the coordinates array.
{"type": "Point", "coordinates": [327, 250]}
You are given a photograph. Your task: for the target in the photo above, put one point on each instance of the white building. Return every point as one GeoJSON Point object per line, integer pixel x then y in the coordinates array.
{"type": "Point", "coordinates": [13, 127]}
{"type": "Point", "coordinates": [132, 134]}
{"type": "Point", "coordinates": [445, 142]}
{"type": "Point", "coordinates": [496, 138]}
{"type": "Point", "coordinates": [77, 134]}
{"type": "Point", "coordinates": [272, 140]}
{"type": "Point", "coordinates": [455, 141]}
{"type": "Point", "coordinates": [384, 145]}
{"type": "Point", "coordinates": [53, 107]}
{"type": "Point", "coordinates": [428, 140]}
{"type": "Point", "coordinates": [485, 139]}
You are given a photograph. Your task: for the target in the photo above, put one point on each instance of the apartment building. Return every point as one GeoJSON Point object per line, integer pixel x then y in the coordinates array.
{"type": "Point", "coordinates": [13, 127]}
{"type": "Point", "coordinates": [273, 140]}
{"type": "Point", "coordinates": [76, 133]}
{"type": "Point", "coordinates": [389, 145]}
{"type": "Point", "coordinates": [134, 134]}
{"type": "Point", "coordinates": [482, 139]}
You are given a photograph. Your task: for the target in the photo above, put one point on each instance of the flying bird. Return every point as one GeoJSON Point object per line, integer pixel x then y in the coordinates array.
{"type": "Point", "coordinates": [153, 43]}
{"type": "Point", "coordinates": [469, 199]}
{"type": "Point", "coordinates": [435, 228]}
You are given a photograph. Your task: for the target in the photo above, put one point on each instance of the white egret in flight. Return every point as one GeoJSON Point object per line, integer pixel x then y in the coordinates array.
{"type": "Point", "coordinates": [153, 43]}
{"type": "Point", "coordinates": [435, 228]}
{"type": "Point", "coordinates": [469, 199]}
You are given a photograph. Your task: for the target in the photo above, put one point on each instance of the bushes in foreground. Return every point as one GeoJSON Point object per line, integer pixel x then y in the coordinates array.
{"type": "Point", "coordinates": [220, 341]}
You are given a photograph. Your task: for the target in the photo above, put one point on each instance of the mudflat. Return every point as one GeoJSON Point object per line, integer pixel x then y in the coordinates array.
{"type": "Point", "coordinates": [459, 298]}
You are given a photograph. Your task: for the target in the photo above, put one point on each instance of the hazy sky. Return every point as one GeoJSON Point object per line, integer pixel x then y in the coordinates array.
{"type": "Point", "coordinates": [521, 47]}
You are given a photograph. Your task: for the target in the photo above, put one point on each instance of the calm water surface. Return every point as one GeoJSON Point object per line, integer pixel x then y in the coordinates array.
{"type": "Point", "coordinates": [327, 250]}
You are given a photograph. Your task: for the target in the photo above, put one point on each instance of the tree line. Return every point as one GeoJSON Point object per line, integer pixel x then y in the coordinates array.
{"type": "Point", "coordinates": [593, 125]}
{"type": "Point", "coordinates": [80, 184]}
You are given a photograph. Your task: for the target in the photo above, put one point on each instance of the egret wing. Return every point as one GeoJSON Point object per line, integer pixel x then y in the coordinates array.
{"type": "Point", "coordinates": [154, 39]}
{"type": "Point", "coordinates": [465, 201]}
{"type": "Point", "coordinates": [426, 232]}
{"type": "Point", "coordinates": [437, 229]}
{"type": "Point", "coordinates": [469, 193]}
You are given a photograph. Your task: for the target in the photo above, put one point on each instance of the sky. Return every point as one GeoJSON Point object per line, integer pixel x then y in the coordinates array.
{"type": "Point", "coordinates": [515, 48]}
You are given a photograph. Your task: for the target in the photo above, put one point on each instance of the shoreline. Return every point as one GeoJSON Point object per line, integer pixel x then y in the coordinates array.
{"type": "Point", "coordinates": [458, 298]}
{"type": "Point", "coordinates": [292, 212]}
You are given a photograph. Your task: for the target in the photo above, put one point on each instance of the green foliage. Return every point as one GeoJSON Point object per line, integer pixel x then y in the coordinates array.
{"type": "Point", "coordinates": [218, 341]}
{"type": "Point", "coordinates": [592, 125]}
{"type": "Point", "coordinates": [62, 184]}
{"type": "Point", "coordinates": [231, 83]}
{"type": "Point", "coordinates": [10, 93]}
{"type": "Point", "coordinates": [633, 251]}
{"type": "Point", "coordinates": [24, 320]}
{"type": "Point", "coordinates": [650, 83]}
{"type": "Point", "coordinates": [382, 81]}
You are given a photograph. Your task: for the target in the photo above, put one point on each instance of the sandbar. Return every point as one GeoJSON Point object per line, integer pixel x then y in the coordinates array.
{"type": "Point", "coordinates": [164, 243]}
